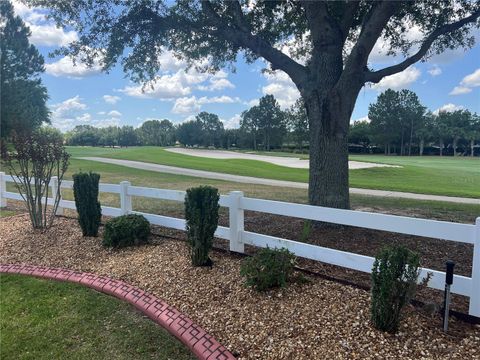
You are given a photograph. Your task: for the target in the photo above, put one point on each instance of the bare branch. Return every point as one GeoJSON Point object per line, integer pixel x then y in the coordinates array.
{"type": "Point", "coordinates": [376, 76]}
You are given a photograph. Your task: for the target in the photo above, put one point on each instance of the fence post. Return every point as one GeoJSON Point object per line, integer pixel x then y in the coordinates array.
{"type": "Point", "coordinates": [125, 199]}
{"type": "Point", "coordinates": [236, 219]}
{"type": "Point", "coordinates": [55, 189]}
{"type": "Point", "coordinates": [3, 189]}
{"type": "Point", "coordinates": [474, 308]}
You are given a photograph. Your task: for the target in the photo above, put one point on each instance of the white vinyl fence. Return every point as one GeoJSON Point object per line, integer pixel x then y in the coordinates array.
{"type": "Point", "coordinates": [238, 237]}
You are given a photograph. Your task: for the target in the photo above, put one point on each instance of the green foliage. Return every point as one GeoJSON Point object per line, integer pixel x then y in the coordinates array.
{"type": "Point", "coordinates": [157, 133]}
{"type": "Point", "coordinates": [23, 97]}
{"type": "Point", "coordinates": [394, 282]}
{"type": "Point", "coordinates": [201, 214]}
{"type": "Point", "coordinates": [38, 155]}
{"type": "Point", "coordinates": [265, 123]}
{"type": "Point", "coordinates": [85, 191]}
{"type": "Point", "coordinates": [126, 230]}
{"type": "Point", "coordinates": [268, 268]}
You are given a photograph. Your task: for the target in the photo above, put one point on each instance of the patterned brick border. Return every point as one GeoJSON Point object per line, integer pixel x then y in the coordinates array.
{"type": "Point", "coordinates": [203, 345]}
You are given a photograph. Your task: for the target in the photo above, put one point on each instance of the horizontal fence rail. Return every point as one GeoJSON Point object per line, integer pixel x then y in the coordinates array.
{"type": "Point", "coordinates": [237, 204]}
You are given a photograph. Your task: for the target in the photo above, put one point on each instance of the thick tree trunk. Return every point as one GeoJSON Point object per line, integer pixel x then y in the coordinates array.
{"type": "Point", "coordinates": [455, 141]}
{"type": "Point", "coordinates": [472, 147]}
{"type": "Point", "coordinates": [420, 149]}
{"type": "Point", "coordinates": [441, 147]}
{"type": "Point", "coordinates": [328, 181]}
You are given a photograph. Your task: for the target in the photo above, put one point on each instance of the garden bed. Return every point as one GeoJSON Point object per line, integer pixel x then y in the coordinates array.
{"type": "Point", "coordinates": [317, 319]}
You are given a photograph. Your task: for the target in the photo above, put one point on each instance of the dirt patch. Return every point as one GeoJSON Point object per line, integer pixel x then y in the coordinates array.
{"type": "Point", "coordinates": [319, 319]}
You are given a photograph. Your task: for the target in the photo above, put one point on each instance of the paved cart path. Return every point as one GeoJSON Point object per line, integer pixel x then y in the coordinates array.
{"type": "Point", "coordinates": [261, 181]}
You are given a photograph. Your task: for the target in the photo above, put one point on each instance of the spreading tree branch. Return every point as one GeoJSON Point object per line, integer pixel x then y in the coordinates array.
{"type": "Point", "coordinates": [376, 76]}
{"type": "Point", "coordinates": [241, 36]}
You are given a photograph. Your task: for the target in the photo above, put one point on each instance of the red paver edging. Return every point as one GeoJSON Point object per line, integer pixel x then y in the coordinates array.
{"type": "Point", "coordinates": [203, 345]}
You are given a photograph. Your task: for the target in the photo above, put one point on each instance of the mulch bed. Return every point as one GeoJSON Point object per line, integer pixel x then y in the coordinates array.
{"type": "Point", "coordinates": [313, 320]}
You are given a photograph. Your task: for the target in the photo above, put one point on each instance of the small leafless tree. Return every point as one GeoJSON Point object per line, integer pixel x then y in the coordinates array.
{"type": "Point", "coordinates": [36, 158]}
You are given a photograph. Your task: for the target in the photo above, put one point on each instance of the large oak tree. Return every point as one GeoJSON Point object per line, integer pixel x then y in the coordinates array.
{"type": "Point", "coordinates": [328, 59]}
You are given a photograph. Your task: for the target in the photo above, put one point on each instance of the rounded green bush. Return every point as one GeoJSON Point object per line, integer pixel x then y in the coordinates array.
{"type": "Point", "coordinates": [268, 268]}
{"type": "Point", "coordinates": [126, 230]}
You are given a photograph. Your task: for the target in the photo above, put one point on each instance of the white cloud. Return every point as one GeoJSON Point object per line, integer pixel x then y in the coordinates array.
{"type": "Point", "coordinates": [65, 107]}
{"type": "Point", "coordinates": [282, 87]}
{"type": "Point", "coordinates": [169, 87]}
{"type": "Point", "coordinates": [44, 32]}
{"type": "Point", "coordinates": [398, 81]}
{"type": "Point", "coordinates": [111, 99]}
{"type": "Point", "coordinates": [232, 123]}
{"type": "Point", "coordinates": [68, 113]}
{"type": "Point", "coordinates": [186, 105]}
{"type": "Point", "coordinates": [66, 67]}
{"type": "Point", "coordinates": [168, 62]}
{"type": "Point", "coordinates": [50, 35]}
{"type": "Point", "coordinates": [165, 87]}
{"type": "Point", "coordinates": [101, 123]}
{"type": "Point", "coordinates": [448, 108]}
{"type": "Point", "coordinates": [435, 70]}
{"type": "Point", "coordinates": [472, 80]}
{"type": "Point", "coordinates": [364, 118]}
{"type": "Point", "coordinates": [468, 82]}
{"type": "Point", "coordinates": [216, 84]}
{"type": "Point", "coordinates": [114, 114]}
{"type": "Point", "coordinates": [86, 117]}
{"type": "Point", "coordinates": [459, 90]}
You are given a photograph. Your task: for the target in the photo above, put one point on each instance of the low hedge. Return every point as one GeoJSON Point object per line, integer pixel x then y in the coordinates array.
{"type": "Point", "coordinates": [126, 230]}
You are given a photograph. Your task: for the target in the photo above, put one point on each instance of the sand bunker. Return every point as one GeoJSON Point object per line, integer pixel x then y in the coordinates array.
{"type": "Point", "coordinates": [291, 162]}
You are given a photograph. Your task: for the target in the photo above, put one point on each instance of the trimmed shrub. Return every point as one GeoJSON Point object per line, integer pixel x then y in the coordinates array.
{"type": "Point", "coordinates": [394, 282]}
{"type": "Point", "coordinates": [85, 191]}
{"type": "Point", "coordinates": [201, 214]}
{"type": "Point", "coordinates": [268, 268]}
{"type": "Point", "coordinates": [126, 230]}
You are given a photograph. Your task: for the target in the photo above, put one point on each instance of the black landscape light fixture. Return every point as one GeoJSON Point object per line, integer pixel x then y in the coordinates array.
{"type": "Point", "coordinates": [446, 300]}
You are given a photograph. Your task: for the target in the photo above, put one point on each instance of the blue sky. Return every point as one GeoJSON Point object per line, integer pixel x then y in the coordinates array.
{"type": "Point", "coordinates": [79, 95]}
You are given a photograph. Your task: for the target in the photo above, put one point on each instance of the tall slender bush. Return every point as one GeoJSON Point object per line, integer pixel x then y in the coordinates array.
{"type": "Point", "coordinates": [85, 191]}
{"type": "Point", "coordinates": [201, 214]}
{"type": "Point", "coordinates": [394, 282]}
{"type": "Point", "coordinates": [36, 158]}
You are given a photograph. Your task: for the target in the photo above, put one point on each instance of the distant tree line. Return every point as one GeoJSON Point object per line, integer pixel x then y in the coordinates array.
{"type": "Point", "coordinates": [398, 124]}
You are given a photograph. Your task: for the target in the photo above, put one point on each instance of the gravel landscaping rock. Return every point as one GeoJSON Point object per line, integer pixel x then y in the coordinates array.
{"type": "Point", "coordinates": [318, 319]}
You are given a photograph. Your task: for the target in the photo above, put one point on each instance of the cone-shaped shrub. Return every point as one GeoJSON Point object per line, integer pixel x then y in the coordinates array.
{"type": "Point", "coordinates": [394, 282]}
{"type": "Point", "coordinates": [85, 190]}
{"type": "Point", "coordinates": [201, 214]}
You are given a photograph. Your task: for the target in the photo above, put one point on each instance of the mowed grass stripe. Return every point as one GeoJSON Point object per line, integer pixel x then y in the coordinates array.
{"type": "Point", "coordinates": [426, 175]}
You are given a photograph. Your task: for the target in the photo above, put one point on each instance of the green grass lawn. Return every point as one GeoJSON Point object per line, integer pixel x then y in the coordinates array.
{"type": "Point", "coordinates": [43, 319]}
{"type": "Point", "coordinates": [115, 173]}
{"type": "Point", "coordinates": [424, 175]}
